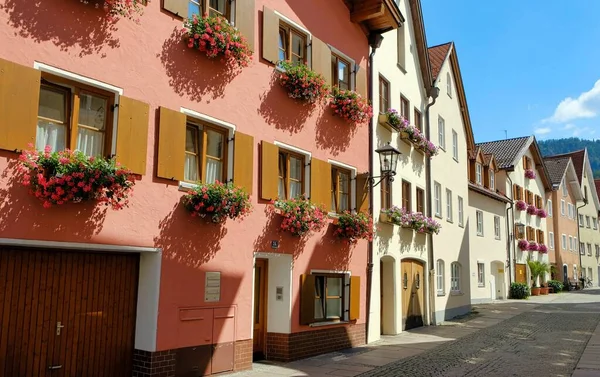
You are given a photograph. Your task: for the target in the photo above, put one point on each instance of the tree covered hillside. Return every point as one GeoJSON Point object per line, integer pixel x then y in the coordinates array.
{"type": "Point", "coordinates": [558, 146]}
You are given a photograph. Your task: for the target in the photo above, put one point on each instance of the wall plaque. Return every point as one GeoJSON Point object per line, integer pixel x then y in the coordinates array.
{"type": "Point", "coordinates": [212, 287]}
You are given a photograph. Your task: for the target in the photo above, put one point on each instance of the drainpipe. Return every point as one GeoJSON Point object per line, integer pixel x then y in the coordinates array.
{"type": "Point", "coordinates": [434, 92]}
{"type": "Point", "coordinates": [579, 238]}
{"type": "Point", "coordinates": [510, 242]}
{"type": "Point", "coordinates": [374, 42]}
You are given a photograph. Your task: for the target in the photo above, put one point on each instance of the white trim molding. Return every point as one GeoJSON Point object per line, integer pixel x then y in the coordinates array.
{"type": "Point", "coordinates": [81, 246]}
{"type": "Point", "coordinates": [353, 173]}
{"type": "Point", "coordinates": [308, 156]}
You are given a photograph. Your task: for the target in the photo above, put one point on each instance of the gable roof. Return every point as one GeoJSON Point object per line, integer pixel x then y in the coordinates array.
{"type": "Point", "coordinates": [578, 158]}
{"type": "Point", "coordinates": [421, 41]}
{"type": "Point", "coordinates": [506, 151]}
{"type": "Point", "coordinates": [437, 55]}
{"type": "Point", "coordinates": [556, 166]}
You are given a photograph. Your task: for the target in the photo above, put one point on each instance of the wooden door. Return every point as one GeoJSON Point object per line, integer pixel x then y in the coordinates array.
{"type": "Point", "coordinates": [412, 294]}
{"type": "Point", "coordinates": [405, 275]}
{"type": "Point", "coordinates": [260, 308]}
{"type": "Point", "coordinates": [66, 314]}
{"type": "Point", "coordinates": [520, 273]}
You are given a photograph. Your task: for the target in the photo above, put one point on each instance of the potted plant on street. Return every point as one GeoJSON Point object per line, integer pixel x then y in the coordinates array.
{"type": "Point", "coordinates": [537, 269]}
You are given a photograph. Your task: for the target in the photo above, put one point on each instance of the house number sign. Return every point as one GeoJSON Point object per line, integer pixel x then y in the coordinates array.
{"type": "Point", "coordinates": [212, 287]}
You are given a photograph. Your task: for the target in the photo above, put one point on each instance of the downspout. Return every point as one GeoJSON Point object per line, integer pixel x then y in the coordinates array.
{"type": "Point", "coordinates": [579, 239]}
{"type": "Point", "coordinates": [433, 93]}
{"type": "Point", "coordinates": [374, 43]}
{"type": "Point", "coordinates": [510, 242]}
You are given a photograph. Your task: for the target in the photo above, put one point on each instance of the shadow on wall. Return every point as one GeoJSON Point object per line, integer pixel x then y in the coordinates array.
{"type": "Point", "coordinates": [338, 252]}
{"type": "Point", "coordinates": [334, 133]}
{"type": "Point", "coordinates": [191, 73]}
{"type": "Point", "coordinates": [69, 24]}
{"type": "Point", "coordinates": [22, 215]}
{"type": "Point", "coordinates": [384, 237]}
{"type": "Point", "coordinates": [288, 244]}
{"type": "Point", "coordinates": [458, 304]}
{"type": "Point", "coordinates": [189, 240]}
{"type": "Point", "coordinates": [279, 110]}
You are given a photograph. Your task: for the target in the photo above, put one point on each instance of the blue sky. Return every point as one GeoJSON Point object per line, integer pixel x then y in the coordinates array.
{"type": "Point", "coordinates": [529, 66]}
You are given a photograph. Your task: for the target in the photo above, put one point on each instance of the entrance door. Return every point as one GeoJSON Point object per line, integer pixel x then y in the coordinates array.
{"type": "Point", "coordinates": [520, 273]}
{"type": "Point", "coordinates": [565, 274]}
{"type": "Point", "coordinates": [260, 308]}
{"type": "Point", "coordinates": [412, 294]}
{"type": "Point", "coordinates": [67, 314]}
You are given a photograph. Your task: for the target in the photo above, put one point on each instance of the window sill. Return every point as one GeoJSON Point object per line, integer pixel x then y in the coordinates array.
{"type": "Point", "coordinates": [449, 221]}
{"type": "Point", "coordinates": [498, 238]}
{"type": "Point", "coordinates": [330, 323]}
{"type": "Point", "coordinates": [480, 285]}
{"type": "Point", "coordinates": [456, 293]}
{"type": "Point", "coordinates": [455, 159]}
{"type": "Point", "coordinates": [441, 294]}
{"type": "Point", "coordinates": [479, 234]}
{"type": "Point", "coordinates": [461, 225]}
{"type": "Point", "coordinates": [439, 216]}
{"type": "Point", "coordinates": [186, 186]}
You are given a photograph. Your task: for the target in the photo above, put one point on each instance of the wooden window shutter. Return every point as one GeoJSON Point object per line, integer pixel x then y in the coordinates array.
{"type": "Point", "coordinates": [243, 161]}
{"type": "Point", "coordinates": [307, 299]}
{"type": "Point", "coordinates": [269, 174]}
{"type": "Point", "coordinates": [524, 162]}
{"type": "Point", "coordinates": [321, 59]}
{"type": "Point", "coordinates": [515, 192]}
{"type": "Point", "coordinates": [244, 20]}
{"type": "Point", "coordinates": [354, 298]}
{"type": "Point", "coordinates": [362, 193]}
{"type": "Point", "coordinates": [361, 80]}
{"type": "Point", "coordinates": [177, 7]}
{"type": "Point", "coordinates": [320, 182]}
{"type": "Point", "coordinates": [19, 101]}
{"type": "Point", "coordinates": [132, 134]}
{"type": "Point", "coordinates": [270, 36]}
{"type": "Point", "coordinates": [171, 144]}
{"type": "Point", "coordinates": [520, 193]}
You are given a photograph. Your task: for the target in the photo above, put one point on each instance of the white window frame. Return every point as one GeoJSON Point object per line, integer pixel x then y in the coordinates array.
{"type": "Point", "coordinates": [478, 173]}
{"type": "Point", "coordinates": [549, 207]}
{"type": "Point", "coordinates": [461, 213]}
{"type": "Point", "coordinates": [589, 249]}
{"type": "Point", "coordinates": [352, 66]}
{"type": "Point", "coordinates": [492, 180]}
{"type": "Point", "coordinates": [571, 243]}
{"type": "Point", "coordinates": [455, 272]}
{"type": "Point", "coordinates": [594, 223]}
{"type": "Point", "coordinates": [307, 160]}
{"type": "Point", "coordinates": [449, 84]}
{"type": "Point", "coordinates": [580, 220]}
{"type": "Point", "coordinates": [455, 145]}
{"type": "Point", "coordinates": [437, 190]}
{"type": "Point", "coordinates": [442, 133]}
{"type": "Point", "coordinates": [551, 240]}
{"type": "Point", "coordinates": [564, 241]}
{"type": "Point", "coordinates": [353, 174]}
{"type": "Point", "coordinates": [571, 212]}
{"type": "Point", "coordinates": [440, 283]}
{"type": "Point", "coordinates": [480, 274]}
{"type": "Point", "coordinates": [562, 207]}
{"type": "Point", "coordinates": [302, 29]}
{"type": "Point", "coordinates": [449, 205]}
{"type": "Point", "coordinates": [588, 223]}
{"type": "Point", "coordinates": [565, 191]}
{"type": "Point", "coordinates": [479, 222]}
{"type": "Point", "coordinates": [582, 248]}
{"type": "Point", "coordinates": [497, 231]}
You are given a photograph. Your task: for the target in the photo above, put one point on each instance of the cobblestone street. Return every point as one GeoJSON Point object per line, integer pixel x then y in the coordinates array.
{"type": "Point", "coordinates": [545, 336]}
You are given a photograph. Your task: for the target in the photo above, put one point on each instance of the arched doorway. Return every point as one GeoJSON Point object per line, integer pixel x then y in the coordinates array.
{"type": "Point", "coordinates": [413, 297]}
{"type": "Point", "coordinates": [387, 295]}
{"type": "Point", "coordinates": [498, 284]}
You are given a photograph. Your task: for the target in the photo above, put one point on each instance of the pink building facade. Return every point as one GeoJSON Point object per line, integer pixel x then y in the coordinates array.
{"type": "Point", "coordinates": [173, 294]}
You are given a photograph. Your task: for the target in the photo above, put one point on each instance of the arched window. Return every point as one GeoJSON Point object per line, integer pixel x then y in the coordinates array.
{"type": "Point", "coordinates": [439, 271]}
{"type": "Point", "coordinates": [449, 84]}
{"type": "Point", "coordinates": [455, 277]}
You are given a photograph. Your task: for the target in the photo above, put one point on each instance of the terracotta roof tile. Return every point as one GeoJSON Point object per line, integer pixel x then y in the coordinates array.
{"type": "Point", "coordinates": [437, 55]}
{"type": "Point", "coordinates": [556, 168]}
{"type": "Point", "coordinates": [578, 158]}
{"type": "Point", "coordinates": [505, 151]}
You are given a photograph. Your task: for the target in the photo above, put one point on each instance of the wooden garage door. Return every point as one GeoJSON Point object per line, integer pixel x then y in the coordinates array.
{"type": "Point", "coordinates": [66, 314]}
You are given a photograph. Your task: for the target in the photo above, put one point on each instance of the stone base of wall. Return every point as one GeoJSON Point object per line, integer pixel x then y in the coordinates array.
{"type": "Point", "coordinates": [450, 313]}
{"type": "Point", "coordinates": [289, 347]}
{"type": "Point", "coordinates": [164, 363]}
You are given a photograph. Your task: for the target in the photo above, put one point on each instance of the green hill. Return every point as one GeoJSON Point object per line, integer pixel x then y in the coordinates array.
{"type": "Point", "coordinates": [558, 146]}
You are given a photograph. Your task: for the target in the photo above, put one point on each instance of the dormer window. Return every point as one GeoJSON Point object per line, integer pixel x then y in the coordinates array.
{"type": "Point", "coordinates": [478, 173]}
{"type": "Point", "coordinates": [492, 180]}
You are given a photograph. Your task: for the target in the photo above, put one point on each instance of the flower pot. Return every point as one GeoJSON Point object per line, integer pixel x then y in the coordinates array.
{"type": "Point", "coordinates": [544, 290]}
{"type": "Point", "coordinates": [535, 291]}
{"type": "Point", "coordinates": [383, 120]}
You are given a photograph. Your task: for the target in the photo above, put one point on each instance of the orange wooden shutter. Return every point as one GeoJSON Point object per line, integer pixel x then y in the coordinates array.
{"type": "Point", "coordinates": [177, 7]}
{"type": "Point", "coordinates": [524, 162]}
{"type": "Point", "coordinates": [320, 182]}
{"type": "Point", "coordinates": [270, 37]}
{"type": "Point", "coordinates": [521, 193]}
{"type": "Point", "coordinates": [362, 193]}
{"type": "Point", "coordinates": [269, 174]}
{"type": "Point", "coordinates": [19, 101]}
{"type": "Point", "coordinates": [354, 298]}
{"type": "Point", "coordinates": [244, 19]}
{"type": "Point", "coordinates": [307, 299]}
{"type": "Point", "coordinates": [515, 192]}
{"type": "Point", "coordinates": [171, 144]}
{"type": "Point", "coordinates": [321, 59]}
{"type": "Point", "coordinates": [132, 134]}
{"type": "Point", "coordinates": [361, 80]}
{"type": "Point", "coordinates": [243, 161]}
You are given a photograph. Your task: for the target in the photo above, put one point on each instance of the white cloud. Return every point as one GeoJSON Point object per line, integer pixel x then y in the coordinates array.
{"type": "Point", "coordinates": [587, 105]}
{"type": "Point", "coordinates": [568, 126]}
{"type": "Point", "coordinates": [542, 130]}
{"type": "Point", "coordinates": [580, 130]}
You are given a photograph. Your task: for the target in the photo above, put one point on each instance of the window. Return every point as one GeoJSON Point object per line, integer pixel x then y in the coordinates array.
{"type": "Point", "coordinates": [538, 201]}
{"type": "Point", "coordinates": [420, 200]}
{"type": "Point", "coordinates": [497, 227]}
{"type": "Point", "coordinates": [439, 274]}
{"type": "Point", "coordinates": [581, 220]}
{"type": "Point", "coordinates": [448, 84]}
{"type": "Point", "coordinates": [292, 44]}
{"type": "Point", "coordinates": [528, 197]}
{"type": "Point", "coordinates": [517, 192]}
{"type": "Point", "coordinates": [597, 251]}
{"type": "Point", "coordinates": [479, 216]}
{"type": "Point", "coordinates": [492, 180]}
{"type": "Point", "coordinates": [571, 243]}
{"type": "Point", "coordinates": [582, 248]}
{"type": "Point", "coordinates": [461, 216]}
{"type": "Point", "coordinates": [340, 190]}
{"type": "Point", "coordinates": [405, 108]}
{"type": "Point", "coordinates": [571, 212]}
{"type": "Point", "coordinates": [418, 121]}
{"type": "Point", "coordinates": [448, 205]}
{"type": "Point", "coordinates": [437, 188]}
{"type": "Point", "coordinates": [386, 193]}
{"type": "Point", "coordinates": [480, 274]}
{"type": "Point", "coordinates": [565, 191]}
{"type": "Point", "coordinates": [291, 175]}
{"type": "Point", "coordinates": [589, 248]}
{"type": "Point", "coordinates": [575, 272]}
{"type": "Point", "coordinates": [587, 222]}
{"type": "Point", "coordinates": [215, 7]}
{"type": "Point", "coordinates": [530, 234]}
{"type": "Point", "coordinates": [205, 151]}
{"type": "Point", "coordinates": [406, 190]}
{"type": "Point", "coordinates": [75, 118]}
{"type": "Point", "coordinates": [455, 145]}
{"type": "Point", "coordinates": [564, 242]}
{"type": "Point", "coordinates": [401, 48]}
{"type": "Point", "coordinates": [384, 95]}
{"type": "Point", "coordinates": [562, 207]}
{"type": "Point", "coordinates": [595, 223]}
{"type": "Point", "coordinates": [540, 236]}
{"type": "Point", "coordinates": [441, 132]}
{"type": "Point", "coordinates": [478, 169]}
{"type": "Point", "coordinates": [585, 195]}
{"type": "Point", "coordinates": [549, 207]}
{"type": "Point", "coordinates": [551, 240]}
{"type": "Point", "coordinates": [526, 162]}
{"type": "Point", "coordinates": [575, 244]}
{"type": "Point", "coordinates": [329, 297]}
{"type": "Point", "coordinates": [340, 72]}
{"type": "Point", "coordinates": [455, 277]}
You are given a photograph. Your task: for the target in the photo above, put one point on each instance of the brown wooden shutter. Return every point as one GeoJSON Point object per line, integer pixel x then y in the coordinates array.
{"type": "Point", "coordinates": [354, 298]}
{"type": "Point", "coordinates": [270, 36]}
{"type": "Point", "coordinates": [520, 193]}
{"type": "Point", "coordinates": [244, 20]}
{"type": "Point", "coordinates": [243, 161]}
{"type": "Point", "coordinates": [307, 299]}
{"type": "Point", "coordinates": [269, 174]}
{"type": "Point", "coordinates": [171, 144]}
{"type": "Point", "coordinates": [132, 134]}
{"type": "Point", "coordinates": [362, 193]}
{"type": "Point", "coordinates": [19, 101]}
{"type": "Point", "coordinates": [361, 80]}
{"type": "Point", "coordinates": [320, 182]}
{"type": "Point", "coordinates": [177, 7]}
{"type": "Point", "coordinates": [321, 59]}
{"type": "Point", "coordinates": [515, 192]}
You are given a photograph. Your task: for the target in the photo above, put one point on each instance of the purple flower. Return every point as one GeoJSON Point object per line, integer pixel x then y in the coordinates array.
{"type": "Point", "coordinates": [533, 246]}
{"type": "Point", "coordinates": [542, 248]}
{"type": "Point", "coordinates": [523, 245]}
{"type": "Point", "coordinates": [530, 174]}
{"type": "Point", "coordinates": [541, 213]}
{"type": "Point", "coordinates": [521, 205]}
{"type": "Point", "coordinates": [531, 209]}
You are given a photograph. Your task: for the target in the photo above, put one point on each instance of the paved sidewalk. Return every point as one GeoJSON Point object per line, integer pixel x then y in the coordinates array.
{"type": "Point", "coordinates": [589, 363]}
{"type": "Point", "coordinates": [389, 349]}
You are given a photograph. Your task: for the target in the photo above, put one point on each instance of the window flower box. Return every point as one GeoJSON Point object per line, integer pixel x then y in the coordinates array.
{"type": "Point", "coordinates": [408, 133]}
{"type": "Point", "coordinates": [216, 37]}
{"type": "Point", "coordinates": [542, 248]}
{"type": "Point", "coordinates": [541, 213]}
{"type": "Point", "coordinates": [57, 178]}
{"type": "Point", "coordinates": [533, 246]}
{"type": "Point", "coordinates": [414, 220]}
{"type": "Point", "coordinates": [529, 173]}
{"type": "Point", "coordinates": [521, 205]}
{"type": "Point", "coordinates": [523, 245]}
{"type": "Point", "coordinates": [302, 83]}
{"type": "Point", "coordinates": [354, 226]}
{"type": "Point", "coordinates": [300, 216]}
{"type": "Point", "coordinates": [531, 210]}
{"type": "Point", "coordinates": [350, 106]}
{"type": "Point", "coordinates": [218, 201]}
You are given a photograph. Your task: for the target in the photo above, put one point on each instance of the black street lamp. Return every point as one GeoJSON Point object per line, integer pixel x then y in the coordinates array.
{"type": "Point", "coordinates": [388, 160]}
